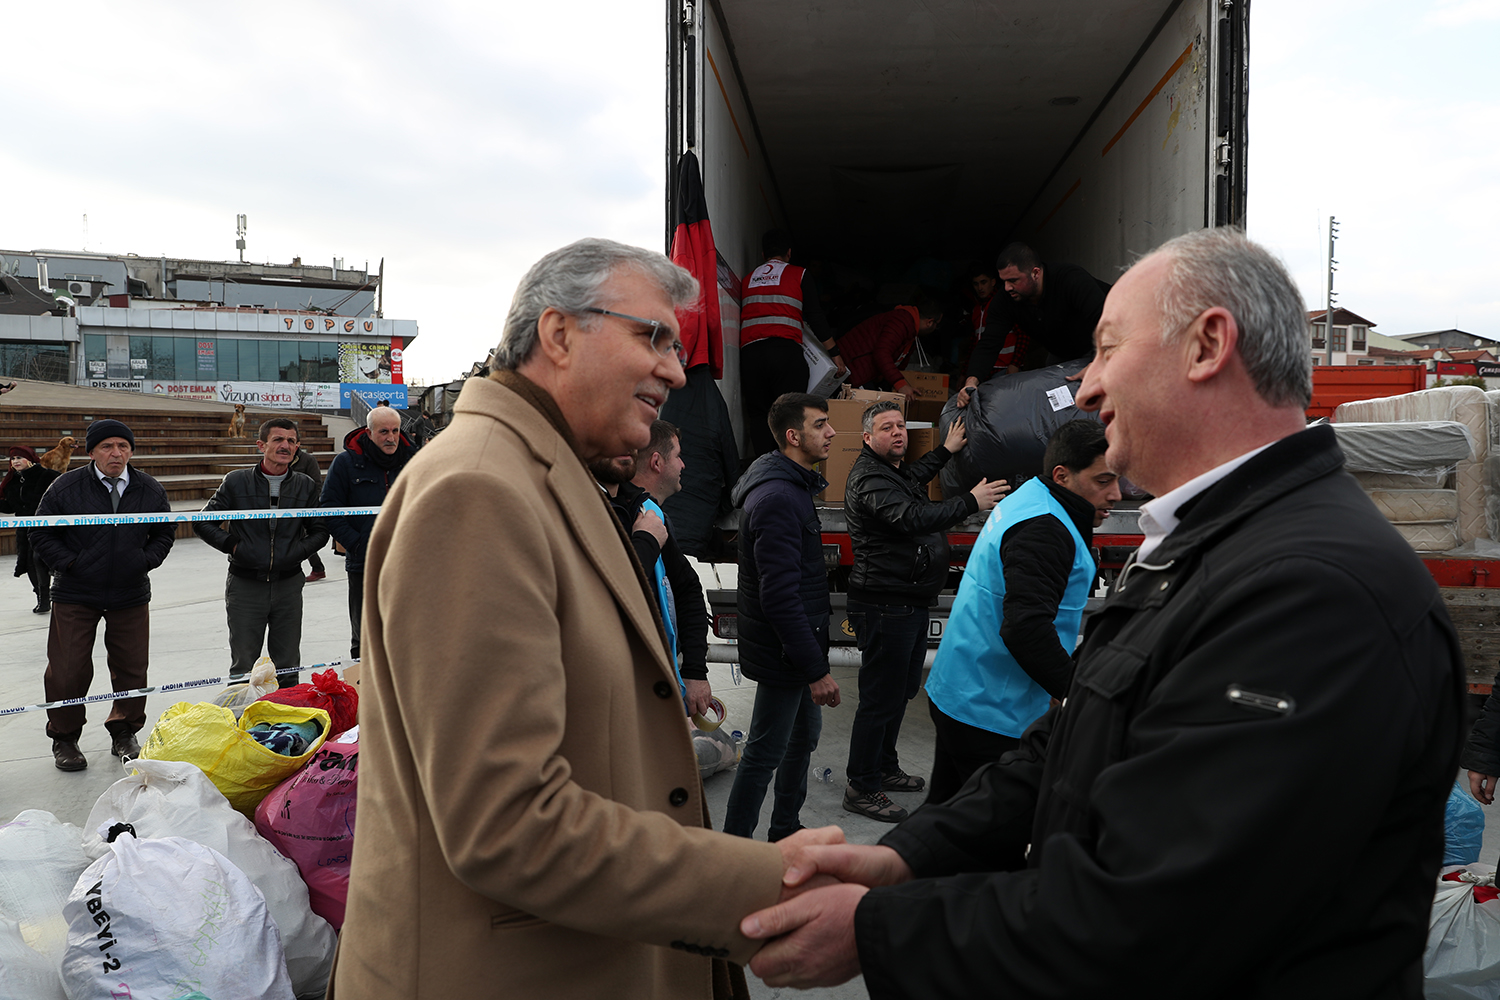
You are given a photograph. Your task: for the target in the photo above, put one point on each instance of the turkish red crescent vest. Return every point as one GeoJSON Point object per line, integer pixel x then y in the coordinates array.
{"type": "Point", "coordinates": [771, 303]}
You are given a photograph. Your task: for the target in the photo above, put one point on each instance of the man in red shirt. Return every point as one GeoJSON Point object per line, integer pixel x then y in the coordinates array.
{"type": "Point", "coordinates": [877, 348]}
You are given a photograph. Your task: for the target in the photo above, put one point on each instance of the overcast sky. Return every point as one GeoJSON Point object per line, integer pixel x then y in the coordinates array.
{"type": "Point", "coordinates": [460, 141]}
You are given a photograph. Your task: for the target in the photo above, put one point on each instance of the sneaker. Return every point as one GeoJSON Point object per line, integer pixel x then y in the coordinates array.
{"type": "Point", "coordinates": [875, 805]}
{"type": "Point", "coordinates": [125, 747]}
{"type": "Point", "coordinates": [316, 575]}
{"type": "Point", "coordinates": [899, 781]}
{"type": "Point", "coordinates": [67, 756]}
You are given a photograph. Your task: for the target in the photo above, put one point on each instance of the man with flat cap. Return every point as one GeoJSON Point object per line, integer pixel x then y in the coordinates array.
{"type": "Point", "coordinates": [100, 571]}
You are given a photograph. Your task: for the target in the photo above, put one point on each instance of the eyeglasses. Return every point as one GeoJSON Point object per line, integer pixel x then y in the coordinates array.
{"type": "Point", "coordinates": [663, 341]}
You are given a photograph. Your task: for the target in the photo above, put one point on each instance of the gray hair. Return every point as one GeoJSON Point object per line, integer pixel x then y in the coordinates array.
{"type": "Point", "coordinates": [573, 280]}
{"type": "Point", "coordinates": [370, 417]}
{"type": "Point", "coordinates": [1220, 267]}
{"type": "Point", "coordinates": [876, 409]}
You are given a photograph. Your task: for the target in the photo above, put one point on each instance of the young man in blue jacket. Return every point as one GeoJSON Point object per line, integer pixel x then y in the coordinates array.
{"type": "Point", "coordinates": [783, 616]}
{"type": "Point", "coordinates": [1008, 650]}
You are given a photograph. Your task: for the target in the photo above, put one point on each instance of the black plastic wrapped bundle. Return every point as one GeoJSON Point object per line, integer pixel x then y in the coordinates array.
{"type": "Point", "coordinates": [1009, 421]}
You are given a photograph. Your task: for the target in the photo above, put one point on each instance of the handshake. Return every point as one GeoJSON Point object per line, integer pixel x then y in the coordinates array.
{"type": "Point", "coordinates": [809, 933]}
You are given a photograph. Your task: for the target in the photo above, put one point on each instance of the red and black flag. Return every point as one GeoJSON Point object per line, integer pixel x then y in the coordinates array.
{"type": "Point", "coordinates": [693, 249]}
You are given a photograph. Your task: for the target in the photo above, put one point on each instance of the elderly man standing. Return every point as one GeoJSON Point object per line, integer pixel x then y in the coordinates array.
{"type": "Point", "coordinates": [900, 565]}
{"type": "Point", "coordinates": [360, 476]}
{"type": "Point", "coordinates": [540, 823]}
{"type": "Point", "coordinates": [263, 594]}
{"type": "Point", "coordinates": [99, 571]}
{"type": "Point", "coordinates": [1272, 681]}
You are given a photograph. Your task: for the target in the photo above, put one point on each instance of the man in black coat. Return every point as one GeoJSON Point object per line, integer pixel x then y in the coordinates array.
{"type": "Point", "coordinates": [99, 571]}
{"type": "Point", "coordinates": [1053, 309]}
{"type": "Point", "coordinates": [20, 492]}
{"type": "Point", "coordinates": [360, 476]}
{"type": "Point", "coordinates": [263, 593]}
{"type": "Point", "coordinates": [1272, 682]}
{"type": "Point", "coordinates": [783, 616]}
{"type": "Point", "coordinates": [900, 564]}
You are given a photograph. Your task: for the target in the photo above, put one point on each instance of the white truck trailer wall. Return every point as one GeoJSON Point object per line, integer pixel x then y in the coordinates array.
{"type": "Point", "coordinates": [736, 183]}
{"type": "Point", "coordinates": [1143, 170]}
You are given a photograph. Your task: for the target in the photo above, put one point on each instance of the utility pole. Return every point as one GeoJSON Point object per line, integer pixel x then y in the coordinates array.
{"type": "Point", "coordinates": [1333, 234]}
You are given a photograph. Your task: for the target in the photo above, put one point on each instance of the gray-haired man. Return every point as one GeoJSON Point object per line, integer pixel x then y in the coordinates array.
{"type": "Point", "coordinates": [1272, 630]}
{"type": "Point", "coordinates": [541, 826]}
{"type": "Point", "coordinates": [360, 476]}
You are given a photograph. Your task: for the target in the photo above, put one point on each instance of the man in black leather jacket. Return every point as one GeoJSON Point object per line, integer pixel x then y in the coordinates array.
{"type": "Point", "coordinates": [900, 564]}
{"type": "Point", "coordinates": [263, 595]}
{"type": "Point", "coordinates": [1273, 681]}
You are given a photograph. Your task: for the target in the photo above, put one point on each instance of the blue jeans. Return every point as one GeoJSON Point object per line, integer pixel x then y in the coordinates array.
{"type": "Point", "coordinates": [784, 732]}
{"type": "Point", "coordinates": [892, 644]}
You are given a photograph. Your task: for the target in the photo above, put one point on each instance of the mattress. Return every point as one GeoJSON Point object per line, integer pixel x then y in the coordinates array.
{"type": "Point", "coordinates": [1466, 404]}
{"type": "Point", "coordinates": [1442, 480]}
{"type": "Point", "coordinates": [1430, 537]}
{"type": "Point", "coordinates": [1404, 446]}
{"type": "Point", "coordinates": [1400, 506]}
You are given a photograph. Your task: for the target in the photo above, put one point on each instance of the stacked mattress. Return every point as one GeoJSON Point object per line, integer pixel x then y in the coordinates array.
{"type": "Point", "coordinates": [1425, 460]}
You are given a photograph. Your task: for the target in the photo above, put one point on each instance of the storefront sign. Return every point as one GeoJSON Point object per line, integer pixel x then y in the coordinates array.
{"type": "Point", "coordinates": [281, 395]}
{"type": "Point", "coordinates": [372, 393]}
{"type": "Point", "coordinates": [186, 390]}
{"type": "Point", "coordinates": [370, 363]}
{"type": "Point", "coordinates": [123, 385]}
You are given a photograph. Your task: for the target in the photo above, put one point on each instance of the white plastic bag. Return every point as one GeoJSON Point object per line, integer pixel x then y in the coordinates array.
{"type": "Point", "coordinates": [1462, 961]}
{"type": "Point", "coordinates": [168, 798]}
{"type": "Point", "coordinates": [26, 974]}
{"type": "Point", "coordinates": [166, 916]}
{"type": "Point", "coordinates": [237, 697]}
{"type": "Point", "coordinates": [40, 859]}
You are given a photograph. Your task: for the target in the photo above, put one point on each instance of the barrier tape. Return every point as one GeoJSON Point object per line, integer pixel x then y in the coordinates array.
{"type": "Point", "coordinates": [182, 516]}
{"type": "Point", "coordinates": [159, 688]}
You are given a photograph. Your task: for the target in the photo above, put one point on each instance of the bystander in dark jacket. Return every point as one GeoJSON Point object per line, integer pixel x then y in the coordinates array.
{"type": "Point", "coordinates": [99, 572]}
{"type": "Point", "coordinates": [361, 475]}
{"type": "Point", "coordinates": [20, 492]}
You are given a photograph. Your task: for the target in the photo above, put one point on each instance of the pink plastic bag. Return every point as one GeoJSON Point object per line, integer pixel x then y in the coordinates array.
{"type": "Point", "coordinates": [310, 819]}
{"type": "Point", "coordinates": [327, 692]}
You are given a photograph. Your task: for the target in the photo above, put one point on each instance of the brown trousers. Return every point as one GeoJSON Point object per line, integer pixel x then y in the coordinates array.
{"type": "Point", "coordinates": [70, 665]}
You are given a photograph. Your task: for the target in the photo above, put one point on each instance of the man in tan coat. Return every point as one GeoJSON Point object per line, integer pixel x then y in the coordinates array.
{"type": "Point", "coordinates": [531, 820]}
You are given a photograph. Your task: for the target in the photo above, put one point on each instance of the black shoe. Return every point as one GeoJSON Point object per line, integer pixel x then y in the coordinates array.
{"type": "Point", "coordinates": [899, 781]}
{"type": "Point", "coordinates": [67, 756]}
{"type": "Point", "coordinates": [42, 608]}
{"type": "Point", "coordinates": [875, 805]}
{"type": "Point", "coordinates": [125, 747]}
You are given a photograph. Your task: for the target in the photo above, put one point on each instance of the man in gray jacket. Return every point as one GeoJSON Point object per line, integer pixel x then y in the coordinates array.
{"type": "Point", "coordinates": [263, 595]}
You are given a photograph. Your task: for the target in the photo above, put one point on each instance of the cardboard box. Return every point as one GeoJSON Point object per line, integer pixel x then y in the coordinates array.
{"type": "Point", "coordinates": [929, 386]}
{"type": "Point", "coordinates": [847, 417]}
{"type": "Point", "coordinates": [926, 410]}
{"type": "Point", "coordinates": [835, 468]}
{"type": "Point", "coordinates": [919, 441]}
{"type": "Point", "coordinates": [871, 396]}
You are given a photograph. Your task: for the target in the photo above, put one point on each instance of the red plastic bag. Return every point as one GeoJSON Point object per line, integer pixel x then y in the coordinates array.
{"type": "Point", "coordinates": [310, 819]}
{"type": "Point", "coordinates": [327, 692]}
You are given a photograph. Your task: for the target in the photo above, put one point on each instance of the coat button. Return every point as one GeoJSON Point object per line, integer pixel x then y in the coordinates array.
{"type": "Point", "coordinates": [663, 689]}
{"type": "Point", "coordinates": [678, 797]}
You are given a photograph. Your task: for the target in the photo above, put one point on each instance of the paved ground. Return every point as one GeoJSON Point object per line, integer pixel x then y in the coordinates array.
{"type": "Point", "coordinates": [190, 640]}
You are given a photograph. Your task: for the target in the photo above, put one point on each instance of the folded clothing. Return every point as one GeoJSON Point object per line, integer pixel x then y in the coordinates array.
{"type": "Point", "coordinates": [290, 739]}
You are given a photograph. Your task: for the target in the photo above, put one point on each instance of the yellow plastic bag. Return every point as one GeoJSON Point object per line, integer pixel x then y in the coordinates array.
{"type": "Point", "coordinates": [208, 736]}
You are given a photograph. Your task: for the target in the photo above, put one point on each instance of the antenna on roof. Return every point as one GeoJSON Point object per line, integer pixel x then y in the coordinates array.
{"type": "Point", "coordinates": [239, 230]}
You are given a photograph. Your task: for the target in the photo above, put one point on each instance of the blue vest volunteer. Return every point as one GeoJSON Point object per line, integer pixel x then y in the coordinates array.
{"type": "Point", "coordinates": [974, 678]}
{"type": "Point", "coordinates": [665, 600]}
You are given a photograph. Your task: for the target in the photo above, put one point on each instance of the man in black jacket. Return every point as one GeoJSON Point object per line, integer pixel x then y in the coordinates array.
{"type": "Point", "coordinates": [1054, 307]}
{"type": "Point", "coordinates": [900, 564]}
{"type": "Point", "coordinates": [360, 476]}
{"type": "Point", "coordinates": [99, 571]}
{"type": "Point", "coordinates": [263, 595]}
{"type": "Point", "coordinates": [1272, 631]}
{"type": "Point", "coordinates": [783, 616]}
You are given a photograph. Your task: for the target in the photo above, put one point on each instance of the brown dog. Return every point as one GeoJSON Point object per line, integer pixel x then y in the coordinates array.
{"type": "Point", "coordinates": [57, 459]}
{"type": "Point", "coordinates": [237, 422]}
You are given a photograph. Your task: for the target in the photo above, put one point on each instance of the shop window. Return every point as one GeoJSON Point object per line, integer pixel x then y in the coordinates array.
{"type": "Point", "coordinates": [249, 360]}
{"type": "Point", "coordinates": [41, 361]}
{"type": "Point", "coordinates": [270, 361]}
{"type": "Point", "coordinates": [163, 359]}
{"type": "Point", "coordinates": [186, 351]}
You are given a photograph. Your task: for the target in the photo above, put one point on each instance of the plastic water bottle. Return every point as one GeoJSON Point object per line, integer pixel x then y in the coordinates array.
{"type": "Point", "coordinates": [823, 774]}
{"type": "Point", "coordinates": [738, 739]}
